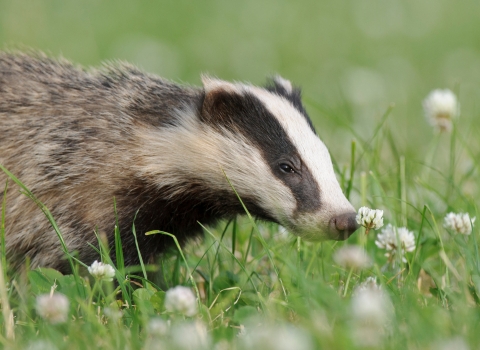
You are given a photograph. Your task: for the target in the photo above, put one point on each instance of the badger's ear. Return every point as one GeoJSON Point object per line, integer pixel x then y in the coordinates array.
{"type": "Point", "coordinates": [280, 85]}
{"type": "Point", "coordinates": [211, 84]}
{"type": "Point", "coordinates": [284, 88]}
{"type": "Point", "coordinates": [220, 98]}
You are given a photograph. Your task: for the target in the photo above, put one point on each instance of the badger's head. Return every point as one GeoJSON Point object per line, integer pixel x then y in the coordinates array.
{"type": "Point", "coordinates": [267, 146]}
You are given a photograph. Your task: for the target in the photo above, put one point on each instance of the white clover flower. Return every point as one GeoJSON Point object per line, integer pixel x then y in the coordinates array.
{"type": "Point", "coordinates": [113, 313]}
{"type": "Point", "coordinates": [41, 345]}
{"type": "Point", "coordinates": [101, 271]}
{"type": "Point", "coordinates": [369, 283]}
{"type": "Point", "coordinates": [182, 300]}
{"type": "Point", "coordinates": [190, 335]}
{"type": "Point", "coordinates": [157, 327]}
{"type": "Point", "coordinates": [371, 305]}
{"type": "Point", "coordinates": [457, 343]}
{"type": "Point", "coordinates": [394, 240]}
{"type": "Point", "coordinates": [352, 257]}
{"type": "Point", "coordinates": [440, 108]}
{"type": "Point", "coordinates": [276, 337]}
{"type": "Point", "coordinates": [370, 218]}
{"type": "Point", "coordinates": [53, 307]}
{"type": "Point", "coordinates": [459, 223]}
{"type": "Point", "coordinates": [158, 332]}
{"type": "Point", "coordinates": [371, 314]}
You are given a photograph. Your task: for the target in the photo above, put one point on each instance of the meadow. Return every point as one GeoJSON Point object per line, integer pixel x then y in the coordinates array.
{"type": "Point", "coordinates": [366, 69]}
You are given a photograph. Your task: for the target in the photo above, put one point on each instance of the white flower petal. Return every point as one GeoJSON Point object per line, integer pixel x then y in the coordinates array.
{"type": "Point", "coordinates": [101, 271]}
{"type": "Point", "coordinates": [440, 108]}
{"type": "Point", "coordinates": [395, 239]}
{"type": "Point", "coordinates": [53, 308]}
{"type": "Point", "coordinates": [459, 223]}
{"type": "Point", "coordinates": [370, 218]}
{"type": "Point", "coordinates": [190, 335]}
{"type": "Point", "coordinates": [352, 257]}
{"type": "Point", "coordinates": [371, 313]}
{"type": "Point", "coordinates": [182, 300]}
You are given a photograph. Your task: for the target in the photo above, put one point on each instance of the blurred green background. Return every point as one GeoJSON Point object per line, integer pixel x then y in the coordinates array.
{"type": "Point", "coordinates": [353, 58]}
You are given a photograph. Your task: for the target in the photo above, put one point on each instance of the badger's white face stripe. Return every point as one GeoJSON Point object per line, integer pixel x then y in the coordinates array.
{"type": "Point", "coordinates": [315, 155]}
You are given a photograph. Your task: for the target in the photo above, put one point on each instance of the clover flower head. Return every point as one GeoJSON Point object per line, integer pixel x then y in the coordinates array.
{"type": "Point", "coordinates": [276, 337]}
{"type": "Point", "coordinates": [190, 335]}
{"type": "Point", "coordinates": [113, 314]}
{"type": "Point", "coordinates": [181, 299]}
{"type": "Point", "coordinates": [352, 257]}
{"type": "Point", "coordinates": [371, 314]}
{"type": "Point", "coordinates": [370, 303]}
{"type": "Point", "coordinates": [441, 107]}
{"type": "Point", "coordinates": [101, 271]}
{"type": "Point", "coordinates": [41, 345]}
{"type": "Point", "coordinates": [369, 283]}
{"type": "Point", "coordinates": [456, 343]}
{"type": "Point", "coordinates": [53, 307]}
{"type": "Point", "coordinates": [394, 240]}
{"type": "Point", "coordinates": [459, 223]}
{"type": "Point", "coordinates": [157, 327]}
{"type": "Point", "coordinates": [370, 218]}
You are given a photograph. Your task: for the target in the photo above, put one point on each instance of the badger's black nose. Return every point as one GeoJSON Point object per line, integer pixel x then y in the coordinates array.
{"type": "Point", "coordinates": [344, 225]}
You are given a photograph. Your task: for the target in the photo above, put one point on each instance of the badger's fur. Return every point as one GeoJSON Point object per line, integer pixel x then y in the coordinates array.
{"type": "Point", "coordinates": [78, 138]}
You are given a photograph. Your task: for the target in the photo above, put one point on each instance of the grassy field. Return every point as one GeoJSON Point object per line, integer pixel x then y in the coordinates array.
{"type": "Point", "coordinates": [365, 67]}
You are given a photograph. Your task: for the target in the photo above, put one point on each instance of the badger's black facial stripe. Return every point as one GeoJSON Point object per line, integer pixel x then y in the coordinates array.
{"type": "Point", "coordinates": [247, 115]}
{"type": "Point", "coordinates": [294, 97]}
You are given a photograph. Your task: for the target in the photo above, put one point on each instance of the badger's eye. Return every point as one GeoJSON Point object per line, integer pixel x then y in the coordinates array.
{"type": "Point", "coordinates": [286, 168]}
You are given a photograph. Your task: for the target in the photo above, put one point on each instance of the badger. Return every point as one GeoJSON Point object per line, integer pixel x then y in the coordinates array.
{"type": "Point", "coordinates": [171, 156]}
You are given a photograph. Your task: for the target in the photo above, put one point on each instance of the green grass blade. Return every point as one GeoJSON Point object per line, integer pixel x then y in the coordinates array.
{"type": "Point", "coordinates": [118, 242]}
{"type": "Point", "coordinates": [215, 259]}
{"type": "Point", "coordinates": [352, 170]}
{"type": "Point", "coordinates": [242, 266]}
{"type": "Point", "coordinates": [260, 238]}
{"type": "Point", "coordinates": [366, 145]}
{"type": "Point", "coordinates": [234, 236]}
{"type": "Point", "coordinates": [103, 251]}
{"type": "Point", "coordinates": [138, 248]}
{"type": "Point", "coordinates": [403, 191]}
{"type": "Point", "coordinates": [192, 280]}
{"type": "Point", "coordinates": [2, 232]}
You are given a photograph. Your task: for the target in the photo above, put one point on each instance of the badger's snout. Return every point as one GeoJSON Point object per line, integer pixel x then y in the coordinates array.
{"type": "Point", "coordinates": [342, 226]}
